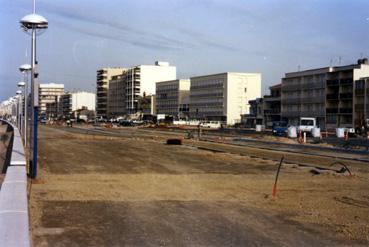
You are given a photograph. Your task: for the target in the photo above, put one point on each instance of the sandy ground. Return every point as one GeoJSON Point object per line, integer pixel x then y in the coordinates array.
{"type": "Point", "coordinates": [4, 142]}
{"type": "Point", "coordinates": [104, 191]}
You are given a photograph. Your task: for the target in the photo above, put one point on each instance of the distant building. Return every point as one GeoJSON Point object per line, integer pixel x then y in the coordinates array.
{"type": "Point", "coordinates": [133, 84]}
{"type": "Point", "coordinates": [103, 77]}
{"type": "Point", "coordinates": [76, 101]}
{"type": "Point", "coordinates": [255, 115]}
{"type": "Point", "coordinates": [272, 106]}
{"type": "Point", "coordinates": [335, 96]}
{"type": "Point", "coordinates": [223, 97]}
{"type": "Point", "coordinates": [173, 98]}
{"type": "Point", "coordinates": [48, 96]}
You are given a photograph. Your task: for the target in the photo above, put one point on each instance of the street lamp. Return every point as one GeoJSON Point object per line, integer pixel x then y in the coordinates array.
{"type": "Point", "coordinates": [34, 24]}
{"type": "Point", "coordinates": [22, 85]}
{"type": "Point", "coordinates": [19, 118]}
{"type": "Point", "coordinates": [24, 69]}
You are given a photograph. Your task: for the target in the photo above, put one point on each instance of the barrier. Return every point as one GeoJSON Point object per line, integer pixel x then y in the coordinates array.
{"type": "Point", "coordinates": [14, 221]}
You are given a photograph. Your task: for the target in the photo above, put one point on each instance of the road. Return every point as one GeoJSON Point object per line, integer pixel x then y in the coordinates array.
{"type": "Point", "coordinates": [129, 188]}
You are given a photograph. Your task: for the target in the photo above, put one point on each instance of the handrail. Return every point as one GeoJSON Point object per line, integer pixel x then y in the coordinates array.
{"type": "Point", "coordinates": [14, 218]}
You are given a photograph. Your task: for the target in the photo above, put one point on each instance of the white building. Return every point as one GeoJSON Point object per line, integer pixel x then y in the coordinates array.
{"type": "Point", "coordinates": [136, 83]}
{"type": "Point", "coordinates": [173, 97]}
{"type": "Point", "coordinates": [71, 102]}
{"type": "Point", "coordinates": [223, 97]}
{"type": "Point", "coordinates": [48, 96]}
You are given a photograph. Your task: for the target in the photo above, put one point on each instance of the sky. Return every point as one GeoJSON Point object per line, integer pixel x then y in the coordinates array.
{"type": "Point", "coordinates": [199, 37]}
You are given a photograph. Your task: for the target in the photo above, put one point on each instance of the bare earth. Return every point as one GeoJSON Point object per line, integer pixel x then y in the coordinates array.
{"type": "Point", "coordinates": [106, 191]}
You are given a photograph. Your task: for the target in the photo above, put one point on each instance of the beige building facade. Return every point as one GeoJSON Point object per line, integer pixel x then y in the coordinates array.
{"type": "Point", "coordinates": [104, 75]}
{"type": "Point", "coordinates": [223, 97]}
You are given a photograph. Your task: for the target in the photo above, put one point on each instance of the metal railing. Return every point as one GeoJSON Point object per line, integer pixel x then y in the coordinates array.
{"type": "Point", "coordinates": [14, 219]}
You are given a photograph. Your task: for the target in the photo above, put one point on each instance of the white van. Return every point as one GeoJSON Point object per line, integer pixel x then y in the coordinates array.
{"type": "Point", "coordinates": [307, 124]}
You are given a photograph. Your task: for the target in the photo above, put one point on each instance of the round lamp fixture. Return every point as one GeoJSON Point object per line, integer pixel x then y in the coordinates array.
{"type": "Point", "coordinates": [25, 67]}
{"type": "Point", "coordinates": [21, 84]}
{"type": "Point", "coordinates": [33, 21]}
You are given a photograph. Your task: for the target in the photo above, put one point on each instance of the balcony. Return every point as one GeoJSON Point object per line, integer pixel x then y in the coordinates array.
{"type": "Point", "coordinates": [346, 81]}
{"type": "Point", "coordinates": [345, 111]}
{"type": "Point", "coordinates": [344, 96]}
{"type": "Point", "coordinates": [292, 87]}
{"type": "Point", "coordinates": [287, 113]}
{"type": "Point", "coordinates": [332, 110]}
{"type": "Point", "coordinates": [315, 85]}
{"type": "Point", "coordinates": [272, 111]}
{"type": "Point", "coordinates": [359, 92]}
{"type": "Point", "coordinates": [359, 107]}
{"type": "Point", "coordinates": [270, 98]}
{"type": "Point", "coordinates": [316, 99]}
{"type": "Point", "coordinates": [319, 113]}
{"type": "Point", "coordinates": [291, 101]}
{"type": "Point", "coordinates": [332, 83]}
{"type": "Point", "coordinates": [332, 96]}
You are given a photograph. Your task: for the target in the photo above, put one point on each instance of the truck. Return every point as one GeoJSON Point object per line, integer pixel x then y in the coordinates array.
{"type": "Point", "coordinates": [307, 124]}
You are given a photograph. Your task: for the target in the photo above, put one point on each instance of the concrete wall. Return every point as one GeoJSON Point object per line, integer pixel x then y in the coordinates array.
{"type": "Point", "coordinates": [14, 219]}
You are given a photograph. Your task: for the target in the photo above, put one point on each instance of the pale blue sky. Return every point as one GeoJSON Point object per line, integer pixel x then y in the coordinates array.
{"type": "Point", "coordinates": [198, 36]}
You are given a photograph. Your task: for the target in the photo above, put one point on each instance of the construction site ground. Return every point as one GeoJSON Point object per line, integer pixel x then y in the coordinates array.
{"type": "Point", "coordinates": [98, 189]}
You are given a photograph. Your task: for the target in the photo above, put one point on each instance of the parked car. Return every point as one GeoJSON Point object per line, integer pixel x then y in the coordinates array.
{"type": "Point", "coordinates": [211, 124]}
{"type": "Point", "coordinates": [123, 122]}
{"type": "Point", "coordinates": [280, 128]}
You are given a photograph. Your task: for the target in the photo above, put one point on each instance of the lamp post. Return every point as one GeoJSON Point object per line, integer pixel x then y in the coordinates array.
{"type": "Point", "coordinates": [19, 114]}
{"type": "Point", "coordinates": [22, 85]}
{"type": "Point", "coordinates": [24, 69]}
{"type": "Point", "coordinates": [34, 24]}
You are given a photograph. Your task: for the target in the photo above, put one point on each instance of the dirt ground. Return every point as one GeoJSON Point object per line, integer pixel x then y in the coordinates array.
{"type": "Point", "coordinates": [4, 143]}
{"type": "Point", "coordinates": [105, 191]}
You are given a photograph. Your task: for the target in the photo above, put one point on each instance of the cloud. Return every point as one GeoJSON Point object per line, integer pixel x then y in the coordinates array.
{"type": "Point", "coordinates": [111, 29]}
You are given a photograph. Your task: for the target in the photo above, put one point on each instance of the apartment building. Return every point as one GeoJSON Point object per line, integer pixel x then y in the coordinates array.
{"type": "Point", "coordinates": [133, 84]}
{"type": "Point", "coordinates": [103, 77]}
{"type": "Point", "coordinates": [48, 95]}
{"type": "Point", "coordinates": [335, 96]}
{"type": "Point", "coordinates": [75, 101]}
{"type": "Point", "coordinates": [255, 115]}
{"type": "Point", "coordinates": [223, 97]}
{"type": "Point", "coordinates": [173, 98]}
{"type": "Point", "coordinates": [272, 106]}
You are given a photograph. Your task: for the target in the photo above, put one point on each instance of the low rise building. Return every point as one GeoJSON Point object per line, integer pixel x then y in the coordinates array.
{"type": "Point", "coordinates": [335, 96]}
{"type": "Point", "coordinates": [173, 98]}
{"type": "Point", "coordinates": [272, 106]}
{"type": "Point", "coordinates": [223, 97]}
{"type": "Point", "coordinates": [70, 103]}
{"type": "Point", "coordinates": [255, 115]}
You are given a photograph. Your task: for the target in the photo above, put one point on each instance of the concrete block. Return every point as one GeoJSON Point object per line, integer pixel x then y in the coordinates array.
{"type": "Point", "coordinates": [14, 230]}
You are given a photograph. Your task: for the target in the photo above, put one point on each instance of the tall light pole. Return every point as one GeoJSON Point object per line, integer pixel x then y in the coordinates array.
{"type": "Point", "coordinates": [24, 69]}
{"type": "Point", "coordinates": [34, 24]}
{"type": "Point", "coordinates": [19, 111]}
{"type": "Point", "coordinates": [22, 85]}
